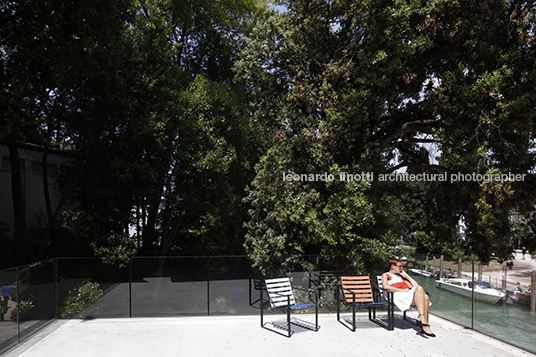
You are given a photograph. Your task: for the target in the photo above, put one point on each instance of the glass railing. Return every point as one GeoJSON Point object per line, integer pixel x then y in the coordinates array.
{"type": "Point", "coordinates": [88, 288]}
{"type": "Point", "coordinates": [9, 326]}
{"type": "Point", "coordinates": [164, 287]}
{"type": "Point", "coordinates": [31, 304]}
{"type": "Point", "coordinates": [447, 301]}
{"type": "Point", "coordinates": [481, 296]}
{"type": "Point", "coordinates": [511, 319]}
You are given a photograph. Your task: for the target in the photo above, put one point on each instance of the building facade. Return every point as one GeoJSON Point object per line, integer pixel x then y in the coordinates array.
{"type": "Point", "coordinates": [33, 192]}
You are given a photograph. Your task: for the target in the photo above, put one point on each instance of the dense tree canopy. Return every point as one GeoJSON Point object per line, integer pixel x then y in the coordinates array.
{"type": "Point", "coordinates": [184, 123]}
{"type": "Point", "coordinates": [140, 94]}
{"type": "Point", "coordinates": [375, 86]}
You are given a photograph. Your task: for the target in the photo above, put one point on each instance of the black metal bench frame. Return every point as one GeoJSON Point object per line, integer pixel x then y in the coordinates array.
{"type": "Point", "coordinates": [288, 307]}
{"type": "Point", "coordinates": [389, 325]}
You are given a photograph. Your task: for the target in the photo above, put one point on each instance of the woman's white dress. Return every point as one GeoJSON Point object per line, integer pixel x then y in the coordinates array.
{"type": "Point", "coordinates": [401, 299]}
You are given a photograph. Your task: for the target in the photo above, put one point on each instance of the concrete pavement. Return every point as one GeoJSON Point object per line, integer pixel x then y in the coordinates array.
{"type": "Point", "coordinates": [242, 336]}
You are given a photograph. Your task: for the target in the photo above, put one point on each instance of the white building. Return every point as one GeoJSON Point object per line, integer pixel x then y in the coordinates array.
{"type": "Point", "coordinates": [31, 162]}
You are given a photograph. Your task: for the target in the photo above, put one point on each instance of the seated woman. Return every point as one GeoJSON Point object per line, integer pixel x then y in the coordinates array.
{"type": "Point", "coordinates": [518, 289]}
{"type": "Point", "coordinates": [406, 292]}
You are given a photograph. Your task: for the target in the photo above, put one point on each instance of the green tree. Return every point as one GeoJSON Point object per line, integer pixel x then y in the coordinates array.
{"type": "Point", "coordinates": [202, 211]}
{"type": "Point", "coordinates": [51, 54]}
{"type": "Point", "coordinates": [114, 84]}
{"type": "Point", "coordinates": [482, 100]}
{"type": "Point", "coordinates": [375, 86]}
{"type": "Point", "coordinates": [525, 231]}
{"type": "Point", "coordinates": [201, 153]}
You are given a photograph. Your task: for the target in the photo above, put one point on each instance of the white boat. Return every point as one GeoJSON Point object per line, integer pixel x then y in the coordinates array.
{"type": "Point", "coordinates": [422, 273]}
{"type": "Point", "coordinates": [484, 292]}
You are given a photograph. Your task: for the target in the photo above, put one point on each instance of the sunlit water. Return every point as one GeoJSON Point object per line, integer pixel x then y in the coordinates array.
{"type": "Point", "coordinates": [511, 323]}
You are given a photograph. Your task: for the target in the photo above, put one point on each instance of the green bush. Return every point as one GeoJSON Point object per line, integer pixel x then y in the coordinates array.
{"type": "Point", "coordinates": [78, 298]}
{"type": "Point", "coordinates": [219, 305]}
{"type": "Point", "coordinates": [25, 308]}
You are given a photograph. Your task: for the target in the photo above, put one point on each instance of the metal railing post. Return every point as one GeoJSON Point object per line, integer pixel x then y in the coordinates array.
{"type": "Point", "coordinates": [472, 296]}
{"type": "Point", "coordinates": [262, 312]}
{"type": "Point", "coordinates": [533, 290]}
{"type": "Point", "coordinates": [56, 289]}
{"type": "Point", "coordinates": [208, 286]}
{"type": "Point", "coordinates": [18, 304]}
{"type": "Point", "coordinates": [130, 288]}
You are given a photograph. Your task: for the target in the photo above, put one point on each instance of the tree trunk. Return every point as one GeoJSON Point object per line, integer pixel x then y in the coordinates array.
{"type": "Point", "coordinates": [149, 230]}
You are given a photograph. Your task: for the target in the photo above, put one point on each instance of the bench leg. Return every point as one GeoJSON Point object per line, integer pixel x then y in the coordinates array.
{"type": "Point", "coordinates": [353, 317]}
{"type": "Point", "coordinates": [338, 308]}
{"type": "Point", "coordinates": [262, 308]}
{"type": "Point", "coordinates": [316, 314]}
{"type": "Point", "coordinates": [391, 317]}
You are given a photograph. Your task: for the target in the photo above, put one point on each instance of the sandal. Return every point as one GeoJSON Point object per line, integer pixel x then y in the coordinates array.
{"type": "Point", "coordinates": [426, 333]}
{"type": "Point", "coordinates": [419, 322]}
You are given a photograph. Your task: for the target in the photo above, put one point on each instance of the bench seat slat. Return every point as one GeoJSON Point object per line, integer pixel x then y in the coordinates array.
{"type": "Point", "coordinates": [357, 290]}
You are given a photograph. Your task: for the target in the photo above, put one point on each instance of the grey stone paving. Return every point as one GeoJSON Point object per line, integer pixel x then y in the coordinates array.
{"type": "Point", "coordinates": [243, 336]}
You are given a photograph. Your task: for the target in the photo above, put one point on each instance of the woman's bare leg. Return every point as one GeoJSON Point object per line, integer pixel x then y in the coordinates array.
{"type": "Point", "coordinates": [422, 301]}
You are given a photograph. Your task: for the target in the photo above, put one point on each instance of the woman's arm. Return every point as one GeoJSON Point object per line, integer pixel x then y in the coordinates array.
{"type": "Point", "coordinates": [384, 282]}
{"type": "Point", "coordinates": [409, 280]}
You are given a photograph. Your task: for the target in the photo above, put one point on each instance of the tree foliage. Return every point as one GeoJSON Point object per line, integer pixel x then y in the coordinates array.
{"type": "Point", "coordinates": [163, 138]}
{"type": "Point", "coordinates": [53, 57]}
{"type": "Point", "coordinates": [140, 95]}
{"type": "Point", "coordinates": [375, 86]}
{"type": "Point", "coordinates": [180, 160]}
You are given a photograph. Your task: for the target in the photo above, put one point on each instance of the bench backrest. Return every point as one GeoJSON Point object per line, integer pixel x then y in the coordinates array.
{"type": "Point", "coordinates": [258, 279]}
{"type": "Point", "coordinates": [380, 283]}
{"type": "Point", "coordinates": [358, 288]}
{"type": "Point", "coordinates": [278, 291]}
{"type": "Point", "coordinates": [383, 295]}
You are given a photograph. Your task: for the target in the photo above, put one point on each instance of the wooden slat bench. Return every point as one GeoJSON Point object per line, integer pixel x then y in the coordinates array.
{"type": "Point", "coordinates": [358, 292]}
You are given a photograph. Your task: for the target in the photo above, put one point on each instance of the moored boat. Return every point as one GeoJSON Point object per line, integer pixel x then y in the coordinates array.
{"type": "Point", "coordinates": [422, 273]}
{"type": "Point", "coordinates": [483, 291]}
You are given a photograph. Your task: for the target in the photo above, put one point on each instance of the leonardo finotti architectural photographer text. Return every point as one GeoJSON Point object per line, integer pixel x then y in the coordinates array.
{"type": "Point", "coordinates": [369, 176]}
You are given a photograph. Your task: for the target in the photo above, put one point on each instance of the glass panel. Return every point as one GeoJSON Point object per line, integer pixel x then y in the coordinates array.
{"type": "Point", "coordinates": [450, 296]}
{"type": "Point", "coordinates": [175, 286]}
{"type": "Point", "coordinates": [172, 286]}
{"type": "Point", "coordinates": [229, 291]}
{"type": "Point", "coordinates": [36, 296]}
{"type": "Point", "coordinates": [322, 273]}
{"type": "Point", "coordinates": [510, 318]}
{"type": "Point", "coordinates": [88, 288]}
{"type": "Point", "coordinates": [8, 322]}
{"type": "Point", "coordinates": [420, 268]}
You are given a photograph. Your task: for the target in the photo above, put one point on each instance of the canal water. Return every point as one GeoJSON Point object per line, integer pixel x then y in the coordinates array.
{"type": "Point", "coordinates": [510, 323]}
